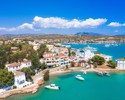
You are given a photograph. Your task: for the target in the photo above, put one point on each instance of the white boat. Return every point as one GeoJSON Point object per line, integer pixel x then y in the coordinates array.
{"type": "Point", "coordinates": [52, 87]}
{"type": "Point", "coordinates": [107, 45]}
{"type": "Point", "coordinates": [106, 73]}
{"type": "Point", "coordinates": [79, 77]}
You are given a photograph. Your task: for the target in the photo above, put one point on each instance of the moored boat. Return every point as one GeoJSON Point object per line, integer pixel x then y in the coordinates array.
{"type": "Point", "coordinates": [52, 87]}
{"type": "Point", "coordinates": [106, 73]}
{"type": "Point", "coordinates": [79, 77]}
{"type": "Point", "coordinates": [100, 73]}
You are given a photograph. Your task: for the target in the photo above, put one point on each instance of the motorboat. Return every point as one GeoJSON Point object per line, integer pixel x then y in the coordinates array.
{"type": "Point", "coordinates": [106, 73]}
{"type": "Point", "coordinates": [79, 77]}
{"type": "Point", "coordinates": [52, 87]}
{"type": "Point", "coordinates": [107, 45]}
{"type": "Point", "coordinates": [100, 73]}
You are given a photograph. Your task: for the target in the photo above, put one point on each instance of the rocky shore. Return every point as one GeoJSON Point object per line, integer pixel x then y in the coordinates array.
{"type": "Point", "coordinates": [29, 89]}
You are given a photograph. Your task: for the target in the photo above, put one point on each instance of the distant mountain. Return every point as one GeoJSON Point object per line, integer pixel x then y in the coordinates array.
{"type": "Point", "coordinates": [89, 34]}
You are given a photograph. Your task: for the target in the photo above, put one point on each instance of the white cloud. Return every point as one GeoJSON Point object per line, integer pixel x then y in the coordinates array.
{"type": "Point", "coordinates": [25, 26]}
{"type": "Point", "coordinates": [7, 29]}
{"type": "Point", "coordinates": [21, 27]}
{"type": "Point", "coordinates": [56, 22]}
{"type": "Point", "coordinates": [116, 24]}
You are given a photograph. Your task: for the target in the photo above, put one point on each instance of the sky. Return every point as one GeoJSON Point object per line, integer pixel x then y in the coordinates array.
{"type": "Point", "coordinates": [62, 16]}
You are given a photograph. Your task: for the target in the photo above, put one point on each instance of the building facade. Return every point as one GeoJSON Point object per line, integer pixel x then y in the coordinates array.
{"type": "Point", "coordinates": [121, 64]}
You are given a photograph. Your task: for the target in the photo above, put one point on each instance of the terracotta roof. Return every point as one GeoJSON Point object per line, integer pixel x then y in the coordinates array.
{"type": "Point", "coordinates": [13, 64]}
{"type": "Point", "coordinates": [49, 53]}
{"type": "Point", "coordinates": [16, 73]}
{"type": "Point", "coordinates": [25, 61]}
{"type": "Point", "coordinates": [50, 56]}
{"type": "Point", "coordinates": [83, 61]}
{"type": "Point", "coordinates": [61, 55]}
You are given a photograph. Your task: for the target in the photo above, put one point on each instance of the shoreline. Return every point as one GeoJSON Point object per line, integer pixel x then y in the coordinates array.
{"type": "Point", "coordinates": [34, 87]}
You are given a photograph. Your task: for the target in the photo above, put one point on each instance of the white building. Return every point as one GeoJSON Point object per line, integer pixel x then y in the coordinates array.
{"type": "Point", "coordinates": [106, 57]}
{"type": "Point", "coordinates": [19, 65]}
{"type": "Point", "coordinates": [88, 54]}
{"type": "Point", "coordinates": [53, 59]}
{"type": "Point", "coordinates": [85, 54]}
{"type": "Point", "coordinates": [58, 50]}
{"type": "Point", "coordinates": [19, 79]}
{"type": "Point", "coordinates": [121, 64]}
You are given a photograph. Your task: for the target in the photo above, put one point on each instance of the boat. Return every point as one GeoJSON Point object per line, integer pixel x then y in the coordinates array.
{"type": "Point", "coordinates": [52, 87]}
{"type": "Point", "coordinates": [100, 73]}
{"type": "Point", "coordinates": [106, 73]}
{"type": "Point", "coordinates": [79, 77]}
{"type": "Point", "coordinates": [107, 45]}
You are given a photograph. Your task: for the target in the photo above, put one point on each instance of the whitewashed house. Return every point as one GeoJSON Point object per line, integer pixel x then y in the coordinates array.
{"type": "Point", "coordinates": [80, 53]}
{"type": "Point", "coordinates": [53, 59]}
{"type": "Point", "coordinates": [58, 50]}
{"type": "Point", "coordinates": [26, 63]}
{"type": "Point", "coordinates": [88, 54]}
{"type": "Point", "coordinates": [121, 64]}
{"type": "Point", "coordinates": [19, 65]}
{"type": "Point", "coordinates": [85, 53]}
{"type": "Point", "coordinates": [106, 57]}
{"type": "Point", "coordinates": [19, 78]}
{"type": "Point", "coordinates": [13, 66]}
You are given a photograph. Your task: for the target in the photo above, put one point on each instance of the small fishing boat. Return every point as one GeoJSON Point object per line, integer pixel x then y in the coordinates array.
{"type": "Point", "coordinates": [79, 77]}
{"type": "Point", "coordinates": [100, 73]}
{"type": "Point", "coordinates": [107, 45]}
{"type": "Point", "coordinates": [52, 87]}
{"type": "Point", "coordinates": [106, 73]}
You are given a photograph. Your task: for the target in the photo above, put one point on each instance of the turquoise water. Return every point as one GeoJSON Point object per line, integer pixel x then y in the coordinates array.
{"type": "Point", "coordinates": [93, 88]}
{"type": "Point", "coordinates": [114, 51]}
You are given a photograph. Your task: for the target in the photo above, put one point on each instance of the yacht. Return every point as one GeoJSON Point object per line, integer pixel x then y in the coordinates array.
{"type": "Point", "coordinates": [52, 87]}
{"type": "Point", "coordinates": [107, 45]}
{"type": "Point", "coordinates": [79, 77]}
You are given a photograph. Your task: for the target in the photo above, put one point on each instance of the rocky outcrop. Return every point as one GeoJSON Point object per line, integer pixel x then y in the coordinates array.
{"type": "Point", "coordinates": [30, 89]}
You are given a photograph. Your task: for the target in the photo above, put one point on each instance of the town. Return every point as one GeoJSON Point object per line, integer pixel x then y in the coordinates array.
{"type": "Point", "coordinates": [25, 63]}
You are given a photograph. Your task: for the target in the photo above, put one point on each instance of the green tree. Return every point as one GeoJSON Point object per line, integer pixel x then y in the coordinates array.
{"type": "Point", "coordinates": [46, 75]}
{"type": "Point", "coordinates": [6, 78]}
{"type": "Point", "coordinates": [41, 50]}
{"type": "Point", "coordinates": [43, 66]}
{"type": "Point", "coordinates": [69, 52]}
{"type": "Point", "coordinates": [98, 60]}
{"type": "Point", "coordinates": [111, 64]}
{"type": "Point", "coordinates": [28, 72]}
{"type": "Point", "coordinates": [33, 56]}
{"type": "Point", "coordinates": [73, 53]}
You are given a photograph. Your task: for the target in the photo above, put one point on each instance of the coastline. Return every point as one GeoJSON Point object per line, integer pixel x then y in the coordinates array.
{"type": "Point", "coordinates": [29, 89]}
{"type": "Point", "coordinates": [34, 87]}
